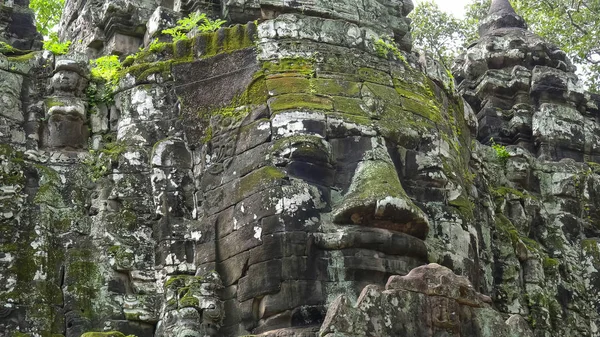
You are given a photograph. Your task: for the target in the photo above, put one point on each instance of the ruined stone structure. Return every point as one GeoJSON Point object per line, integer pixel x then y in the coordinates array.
{"type": "Point", "coordinates": [300, 172]}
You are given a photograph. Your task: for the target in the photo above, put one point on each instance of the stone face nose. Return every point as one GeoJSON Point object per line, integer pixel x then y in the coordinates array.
{"type": "Point", "coordinates": [376, 199]}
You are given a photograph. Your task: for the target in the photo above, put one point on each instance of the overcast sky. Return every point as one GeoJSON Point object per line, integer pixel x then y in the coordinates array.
{"type": "Point", "coordinates": [455, 7]}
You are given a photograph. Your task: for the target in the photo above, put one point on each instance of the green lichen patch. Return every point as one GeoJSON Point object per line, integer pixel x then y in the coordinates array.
{"type": "Point", "coordinates": [385, 93]}
{"type": "Point", "coordinates": [335, 87]}
{"type": "Point", "coordinates": [143, 71]}
{"type": "Point", "coordinates": [465, 206]}
{"type": "Point", "coordinates": [504, 192]}
{"type": "Point", "coordinates": [258, 180]}
{"type": "Point", "coordinates": [83, 279]}
{"type": "Point", "coordinates": [300, 101]}
{"type": "Point", "coordinates": [550, 265]}
{"type": "Point", "coordinates": [303, 147]}
{"type": "Point", "coordinates": [376, 196]}
{"type": "Point", "coordinates": [288, 85]}
{"type": "Point", "coordinates": [293, 141]}
{"type": "Point", "coordinates": [375, 76]}
{"type": "Point", "coordinates": [504, 225]}
{"type": "Point", "coordinates": [11, 169]}
{"type": "Point", "coordinates": [427, 109]}
{"type": "Point", "coordinates": [99, 163]}
{"type": "Point", "coordinates": [22, 58]}
{"type": "Point", "coordinates": [158, 57]}
{"type": "Point", "coordinates": [351, 106]}
{"type": "Point", "coordinates": [386, 47]}
{"type": "Point", "coordinates": [240, 106]}
{"type": "Point", "coordinates": [353, 119]}
{"type": "Point", "coordinates": [592, 248]}
{"type": "Point", "coordinates": [228, 40]}
{"type": "Point", "coordinates": [296, 66]}
{"type": "Point", "coordinates": [14, 53]}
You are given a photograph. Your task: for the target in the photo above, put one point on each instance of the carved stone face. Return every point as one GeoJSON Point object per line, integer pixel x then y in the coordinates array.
{"type": "Point", "coordinates": [65, 81]}
{"type": "Point", "coordinates": [312, 195]}
{"type": "Point", "coordinates": [192, 307]}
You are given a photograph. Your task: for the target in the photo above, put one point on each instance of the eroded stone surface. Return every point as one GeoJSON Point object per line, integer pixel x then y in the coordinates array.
{"type": "Point", "coordinates": [243, 180]}
{"type": "Point", "coordinates": [430, 301]}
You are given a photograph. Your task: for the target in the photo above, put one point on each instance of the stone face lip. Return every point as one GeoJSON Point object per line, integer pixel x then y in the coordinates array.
{"type": "Point", "coordinates": [501, 15]}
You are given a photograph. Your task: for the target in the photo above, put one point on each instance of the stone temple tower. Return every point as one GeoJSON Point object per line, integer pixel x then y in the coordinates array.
{"type": "Point", "coordinates": [523, 88]}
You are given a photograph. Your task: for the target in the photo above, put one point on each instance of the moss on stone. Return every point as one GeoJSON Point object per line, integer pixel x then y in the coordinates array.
{"type": "Point", "coordinates": [335, 87]}
{"type": "Point", "coordinates": [85, 279]}
{"type": "Point", "coordinates": [351, 106]}
{"type": "Point", "coordinates": [504, 191]}
{"type": "Point", "coordinates": [7, 49]}
{"type": "Point", "coordinates": [550, 265]}
{"type": "Point", "coordinates": [142, 71]}
{"type": "Point", "coordinates": [427, 109]}
{"type": "Point", "coordinates": [506, 226]}
{"type": "Point", "coordinates": [465, 206]}
{"type": "Point", "coordinates": [22, 58]}
{"type": "Point", "coordinates": [354, 119]}
{"type": "Point", "coordinates": [386, 94]}
{"type": "Point", "coordinates": [288, 85]}
{"type": "Point", "coordinates": [294, 66]}
{"type": "Point", "coordinates": [99, 163]}
{"type": "Point", "coordinates": [105, 334]}
{"type": "Point", "coordinates": [300, 101]}
{"type": "Point", "coordinates": [181, 281]}
{"type": "Point", "coordinates": [226, 40]}
{"type": "Point", "coordinates": [20, 334]}
{"type": "Point", "coordinates": [375, 76]}
{"type": "Point", "coordinates": [288, 142]}
{"type": "Point", "coordinates": [591, 247]}
{"type": "Point", "coordinates": [257, 180]}
{"type": "Point", "coordinates": [376, 180]}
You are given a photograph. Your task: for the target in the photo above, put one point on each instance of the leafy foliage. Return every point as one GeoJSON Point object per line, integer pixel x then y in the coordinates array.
{"type": "Point", "coordinates": [194, 20]}
{"type": "Point", "coordinates": [106, 68]}
{"type": "Point", "coordinates": [47, 14]}
{"type": "Point", "coordinates": [501, 151]}
{"type": "Point", "coordinates": [437, 32]}
{"type": "Point", "coordinates": [56, 47]}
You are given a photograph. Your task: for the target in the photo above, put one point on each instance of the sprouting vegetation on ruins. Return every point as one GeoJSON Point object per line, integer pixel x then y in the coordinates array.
{"type": "Point", "coordinates": [198, 21]}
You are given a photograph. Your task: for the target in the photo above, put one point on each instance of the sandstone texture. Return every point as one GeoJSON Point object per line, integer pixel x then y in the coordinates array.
{"type": "Point", "coordinates": [298, 172]}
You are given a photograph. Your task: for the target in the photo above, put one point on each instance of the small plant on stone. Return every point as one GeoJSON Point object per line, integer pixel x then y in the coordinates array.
{"type": "Point", "coordinates": [100, 162]}
{"type": "Point", "coordinates": [106, 69]}
{"type": "Point", "coordinates": [384, 46]}
{"type": "Point", "coordinates": [501, 151]}
{"type": "Point", "coordinates": [195, 20]}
